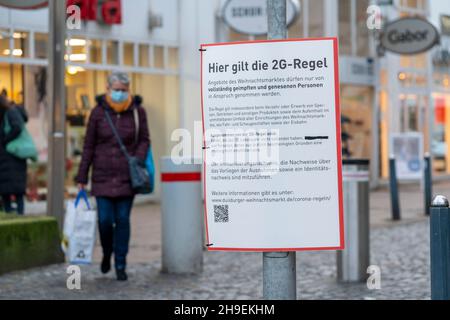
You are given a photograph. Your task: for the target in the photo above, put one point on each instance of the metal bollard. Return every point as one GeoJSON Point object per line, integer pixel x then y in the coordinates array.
{"type": "Point", "coordinates": [182, 217]}
{"type": "Point", "coordinates": [428, 186]}
{"type": "Point", "coordinates": [393, 185]}
{"type": "Point", "coordinates": [353, 261]}
{"type": "Point", "coordinates": [440, 248]}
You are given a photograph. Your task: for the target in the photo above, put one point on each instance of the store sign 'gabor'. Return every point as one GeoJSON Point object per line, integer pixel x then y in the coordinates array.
{"type": "Point", "coordinates": [409, 36]}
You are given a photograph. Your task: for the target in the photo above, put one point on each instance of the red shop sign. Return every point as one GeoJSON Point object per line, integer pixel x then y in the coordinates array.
{"type": "Point", "coordinates": [104, 11]}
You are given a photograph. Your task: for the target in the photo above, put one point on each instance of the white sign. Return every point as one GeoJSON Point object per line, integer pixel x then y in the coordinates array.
{"type": "Point", "coordinates": [272, 152]}
{"type": "Point", "coordinates": [407, 149]}
{"type": "Point", "coordinates": [356, 70]}
{"type": "Point", "coordinates": [250, 16]}
{"type": "Point", "coordinates": [409, 36]}
{"type": "Point", "coordinates": [24, 4]}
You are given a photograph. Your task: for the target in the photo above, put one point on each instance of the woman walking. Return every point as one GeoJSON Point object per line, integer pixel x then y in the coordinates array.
{"type": "Point", "coordinates": [13, 171]}
{"type": "Point", "coordinates": [111, 183]}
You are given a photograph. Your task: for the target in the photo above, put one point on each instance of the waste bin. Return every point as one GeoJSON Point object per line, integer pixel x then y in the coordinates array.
{"type": "Point", "coordinates": [353, 261]}
{"type": "Point", "coordinates": [182, 216]}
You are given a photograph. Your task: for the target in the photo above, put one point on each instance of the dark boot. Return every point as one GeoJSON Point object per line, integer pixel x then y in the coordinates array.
{"type": "Point", "coordinates": [121, 275]}
{"type": "Point", "coordinates": [106, 264]}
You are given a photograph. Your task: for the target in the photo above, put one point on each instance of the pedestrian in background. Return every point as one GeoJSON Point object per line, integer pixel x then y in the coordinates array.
{"type": "Point", "coordinates": [13, 171]}
{"type": "Point", "coordinates": [110, 177]}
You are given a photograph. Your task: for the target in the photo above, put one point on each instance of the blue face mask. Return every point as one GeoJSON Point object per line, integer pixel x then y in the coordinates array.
{"type": "Point", "coordinates": [119, 96]}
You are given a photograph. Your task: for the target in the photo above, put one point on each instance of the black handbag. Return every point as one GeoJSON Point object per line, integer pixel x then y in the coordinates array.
{"type": "Point", "coordinates": [140, 179]}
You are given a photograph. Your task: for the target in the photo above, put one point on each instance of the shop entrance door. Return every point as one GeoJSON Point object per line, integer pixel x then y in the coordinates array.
{"type": "Point", "coordinates": [414, 115]}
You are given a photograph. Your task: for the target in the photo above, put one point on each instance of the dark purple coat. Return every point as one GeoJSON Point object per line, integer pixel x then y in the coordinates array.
{"type": "Point", "coordinates": [110, 175]}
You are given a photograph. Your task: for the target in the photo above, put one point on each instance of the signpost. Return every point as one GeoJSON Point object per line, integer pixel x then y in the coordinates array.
{"type": "Point", "coordinates": [272, 153]}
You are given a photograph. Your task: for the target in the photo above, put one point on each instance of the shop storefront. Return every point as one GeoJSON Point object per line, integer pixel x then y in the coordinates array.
{"type": "Point", "coordinates": [381, 94]}
{"type": "Point", "coordinates": [148, 52]}
{"type": "Point", "coordinates": [157, 43]}
{"type": "Point", "coordinates": [347, 20]}
{"type": "Point", "coordinates": [441, 104]}
{"type": "Point", "coordinates": [404, 96]}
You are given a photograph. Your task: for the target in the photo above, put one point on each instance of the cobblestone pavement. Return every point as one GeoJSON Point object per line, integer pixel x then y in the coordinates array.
{"type": "Point", "coordinates": [401, 251]}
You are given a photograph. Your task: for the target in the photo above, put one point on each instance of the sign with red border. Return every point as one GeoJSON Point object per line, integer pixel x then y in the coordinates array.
{"type": "Point", "coordinates": [272, 145]}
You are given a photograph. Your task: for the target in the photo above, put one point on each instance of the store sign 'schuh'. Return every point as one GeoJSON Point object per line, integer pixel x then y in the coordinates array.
{"type": "Point", "coordinates": [409, 36]}
{"type": "Point", "coordinates": [250, 17]}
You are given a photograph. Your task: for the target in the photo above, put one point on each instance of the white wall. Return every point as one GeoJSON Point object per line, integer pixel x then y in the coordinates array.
{"type": "Point", "coordinates": [36, 19]}
{"type": "Point", "coordinates": [197, 26]}
{"type": "Point", "coordinates": [135, 21]}
{"type": "Point", "coordinates": [438, 7]}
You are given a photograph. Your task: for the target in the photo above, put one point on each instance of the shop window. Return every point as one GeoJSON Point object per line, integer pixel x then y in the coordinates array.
{"type": "Point", "coordinates": [345, 45]}
{"type": "Point", "coordinates": [316, 9]}
{"type": "Point", "coordinates": [20, 46]}
{"type": "Point", "coordinates": [420, 61]}
{"type": "Point", "coordinates": [95, 51]}
{"type": "Point", "coordinates": [356, 102]}
{"type": "Point", "coordinates": [4, 42]}
{"type": "Point", "coordinates": [440, 144]}
{"type": "Point", "coordinates": [384, 77]}
{"type": "Point", "coordinates": [76, 49]}
{"type": "Point", "coordinates": [405, 61]}
{"type": "Point", "coordinates": [296, 28]}
{"type": "Point", "coordinates": [173, 58]}
{"type": "Point", "coordinates": [11, 81]}
{"type": "Point", "coordinates": [362, 32]}
{"type": "Point", "coordinates": [144, 56]}
{"type": "Point", "coordinates": [414, 4]}
{"type": "Point", "coordinates": [158, 58]}
{"type": "Point", "coordinates": [112, 52]}
{"type": "Point", "coordinates": [128, 54]}
{"type": "Point", "coordinates": [353, 32]}
{"type": "Point", "coordinates": [235, 36]}
{"type": "Point", "coordinates": [41, 45]}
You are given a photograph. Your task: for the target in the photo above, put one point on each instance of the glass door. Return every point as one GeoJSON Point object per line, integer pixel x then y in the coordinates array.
{"type": "Point", "coordinates": [414, 116]}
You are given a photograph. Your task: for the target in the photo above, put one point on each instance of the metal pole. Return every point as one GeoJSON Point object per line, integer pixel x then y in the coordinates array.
{"type": "Point", "coordinates": [279, 268]}
{"type": "Point", "coordinates": [428, 190]}
{"type": "Point", "coordinates": [393, 184]}
{"type": "Point", "coordinates": [276, 19]}
{"type": "Point", "coordinates": [440, 249]}
{"type": "Point", "coordinates": [279, 276]}
{"type": "Point", "coordinates": [57, 109]}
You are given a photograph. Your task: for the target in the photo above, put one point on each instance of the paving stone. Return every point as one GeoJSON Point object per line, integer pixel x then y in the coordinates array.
{"type": "Point", "coordinates": [402, 252]}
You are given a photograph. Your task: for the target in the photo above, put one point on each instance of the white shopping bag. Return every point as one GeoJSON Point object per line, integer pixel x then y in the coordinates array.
{"type": "Point", "coordinates": [79, 230]}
